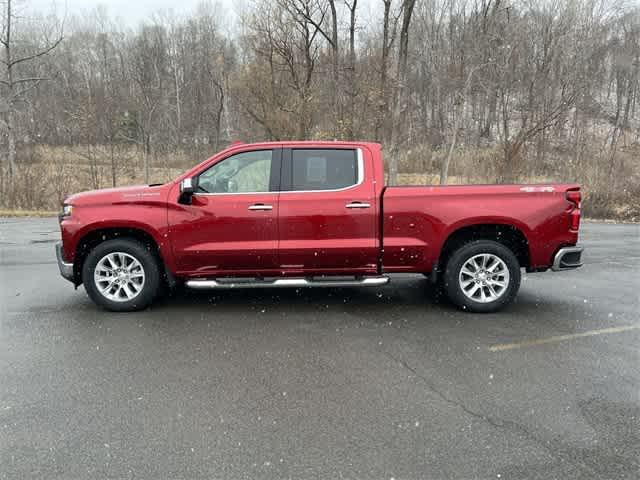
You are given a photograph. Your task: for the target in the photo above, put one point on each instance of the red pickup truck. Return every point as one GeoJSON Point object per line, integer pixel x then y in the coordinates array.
{"type": "Point", "coordinates": [304, 214]}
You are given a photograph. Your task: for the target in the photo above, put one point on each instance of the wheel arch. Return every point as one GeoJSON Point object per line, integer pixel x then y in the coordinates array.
{"type": "Point", "coordinates": [94, 237]}
{"type": "Point", "coordinates": [508, 234]}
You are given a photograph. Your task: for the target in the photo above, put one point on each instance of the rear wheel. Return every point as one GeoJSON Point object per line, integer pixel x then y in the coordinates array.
{"type": "Point", "coordinates": [482, 276]}
{"type": "Point", "coordinates": [121, 275]}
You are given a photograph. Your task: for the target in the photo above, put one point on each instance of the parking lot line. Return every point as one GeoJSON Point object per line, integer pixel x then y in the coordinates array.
{"type": "Point", "coordinates": [560, 338]}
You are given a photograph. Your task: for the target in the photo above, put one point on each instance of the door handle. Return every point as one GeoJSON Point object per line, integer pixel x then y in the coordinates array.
{"type": "Point", "coordinates": [260, 206]}
{"type": "Point", "coordinates": [357, 205]}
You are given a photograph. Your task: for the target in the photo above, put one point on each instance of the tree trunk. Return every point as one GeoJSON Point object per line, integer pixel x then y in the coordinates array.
{"type": "Point", "coordinates": [444, 170]}
{"type": "Point", "coordinates": [114, 167]}
{"type": "Point", "coordinates": [147, 158]}
{"type": "Point", "coordinates": [352, 70]}
{"type": "Point", "coordinates": [219, 112]}
{"type": "Point", "coordinates": [11, 139]}
{"type": "Point", "coordinates": [381, 119]}
{"type": "Point", "coordinates": [335, 66]}
{"type": "Point", "coordinates": [10, 114]}
{"type": "Point", "coordinates": [401, 92]}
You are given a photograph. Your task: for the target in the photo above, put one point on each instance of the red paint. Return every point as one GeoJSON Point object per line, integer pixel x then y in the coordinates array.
{"type": "Point", "coordinates": [313, 232]}
{"type": "Point", "coordinates": [437, 212]}
{"type": "Point", "coordinates": [320, 235]}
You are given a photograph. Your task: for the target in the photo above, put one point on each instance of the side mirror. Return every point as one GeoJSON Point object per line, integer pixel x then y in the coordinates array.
{"type": "Point", "coordinates": [188, 187]}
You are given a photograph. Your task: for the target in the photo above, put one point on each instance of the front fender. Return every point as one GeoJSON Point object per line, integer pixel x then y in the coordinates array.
{"type": "Point", "coordinates": [75, 230]}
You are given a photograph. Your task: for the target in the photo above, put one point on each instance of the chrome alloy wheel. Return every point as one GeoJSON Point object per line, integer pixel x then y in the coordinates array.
{"type": "Point", "coordinates": [484, 278]}
{"type": "Point", "coordinates": [119, 276]}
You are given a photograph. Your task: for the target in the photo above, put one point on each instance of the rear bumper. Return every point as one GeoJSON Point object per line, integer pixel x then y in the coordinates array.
{"type": "Point", "coordinates": [66, 269]}
{"type": "Point", "coordinates": [567, 258]}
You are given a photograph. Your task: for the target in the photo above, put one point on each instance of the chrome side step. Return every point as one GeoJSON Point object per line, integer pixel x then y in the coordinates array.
{"type": "Point", "coordinates": [204, 284]}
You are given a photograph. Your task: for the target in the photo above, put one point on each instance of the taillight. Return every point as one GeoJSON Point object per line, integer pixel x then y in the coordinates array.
{"type": "Point", "coordinates": [575, 198]}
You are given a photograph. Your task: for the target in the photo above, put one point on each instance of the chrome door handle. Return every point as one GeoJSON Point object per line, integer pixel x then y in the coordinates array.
{"type": "Point", "coordinates": [357, 205]}
{"type": "Point", "coordinates": [261, 206]}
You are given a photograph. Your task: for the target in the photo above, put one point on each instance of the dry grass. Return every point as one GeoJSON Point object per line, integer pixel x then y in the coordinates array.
{"type": "Point", "coordinates": [52, 172]}
{"type": "Point", "coordinates": [610, 190]}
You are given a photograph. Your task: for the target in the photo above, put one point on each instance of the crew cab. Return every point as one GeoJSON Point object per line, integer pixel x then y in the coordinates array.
{"type": "Point", "coordinates": [305, 214]}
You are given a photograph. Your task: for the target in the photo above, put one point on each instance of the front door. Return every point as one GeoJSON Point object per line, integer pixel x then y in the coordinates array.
{"type": "Point", "coordinates": [231, 226]}
{"type": "Point", "coordinates": [327, 212]}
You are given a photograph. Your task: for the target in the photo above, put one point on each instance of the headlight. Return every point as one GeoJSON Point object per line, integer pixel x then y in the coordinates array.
{"type": "Point", "coordinates": [66, 210]}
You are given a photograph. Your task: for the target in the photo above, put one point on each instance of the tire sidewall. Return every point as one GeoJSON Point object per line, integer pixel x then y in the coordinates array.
{"type": "Point", "coordinates": [142, 254]}
{"type": "Point", "coordinates": [460, 257]}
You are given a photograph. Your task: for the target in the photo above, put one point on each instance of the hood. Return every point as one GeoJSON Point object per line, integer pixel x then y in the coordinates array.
{"type": "Point", "coordinates": [117, 195]}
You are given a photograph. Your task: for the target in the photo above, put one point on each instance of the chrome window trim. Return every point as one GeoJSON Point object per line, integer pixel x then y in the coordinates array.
{"type": "Point", "coordinates": [234, 193]}
{"type": "Point", "coordinates": [360, 159]}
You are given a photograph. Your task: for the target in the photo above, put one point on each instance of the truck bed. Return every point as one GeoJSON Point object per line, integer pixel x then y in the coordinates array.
{"type": "Point", "coordinates": [417, 220]}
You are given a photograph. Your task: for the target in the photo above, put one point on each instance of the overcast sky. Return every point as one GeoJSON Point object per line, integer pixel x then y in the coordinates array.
{"type": "Point", "coordinates": [133, 11]}
{"type": "Point", "coordinates": [130, 11]}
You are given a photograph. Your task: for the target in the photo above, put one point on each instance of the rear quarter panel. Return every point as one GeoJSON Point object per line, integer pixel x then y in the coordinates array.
{"type": "Point", "coordinates": [418, 220]}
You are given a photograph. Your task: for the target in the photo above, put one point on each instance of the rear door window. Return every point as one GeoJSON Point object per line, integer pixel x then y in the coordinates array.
{"type": "Point", "coordinates": [323, 169]}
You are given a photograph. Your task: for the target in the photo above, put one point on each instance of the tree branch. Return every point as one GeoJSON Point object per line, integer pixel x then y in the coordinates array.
{"type": "Point", "coordinates": [34, 55]}
{"type": "Point", "coordinates": [306, 15]}
{"type": "Point", "coordinates": [23, 80]}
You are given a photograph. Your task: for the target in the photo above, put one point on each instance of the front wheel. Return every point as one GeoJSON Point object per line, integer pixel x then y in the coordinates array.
{"type": "Point", "coordinates": [121, 275]}
{"type": "Point", "coordinates": [482, 276]}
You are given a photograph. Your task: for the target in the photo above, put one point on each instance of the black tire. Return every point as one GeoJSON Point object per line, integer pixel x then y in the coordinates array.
{"type": "Point", "coordinates": [465, 253]}
{"type": "Point", "coordinates": [135, 249]}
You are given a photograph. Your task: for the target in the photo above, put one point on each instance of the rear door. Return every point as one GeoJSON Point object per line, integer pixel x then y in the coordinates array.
{"type": "Point", "coordinates": [231, 226]}
{"type": "Point", "coordinates": [328, 215]}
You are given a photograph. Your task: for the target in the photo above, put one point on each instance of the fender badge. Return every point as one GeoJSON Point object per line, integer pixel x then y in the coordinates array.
{"type": "Point", "coordinates": [140, 194]}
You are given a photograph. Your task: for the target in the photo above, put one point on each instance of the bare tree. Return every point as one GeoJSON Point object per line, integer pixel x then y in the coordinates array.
{"type": "Point", "coordinates": [480, 90]}
{"type": "Point", "coordinates": [314, 12]}
{"type": "Point", "coordinates": [149, 68]}
{"type": "Point", "coordinates": [401, 95]}
{"type": "Point", "coordinates": [286, 46]}
{"type": "Point", "coordinates": [444, 169]}
{"type": "Point", "coordinates": [389, 26]}
{"type": "Point", "coordinates": [351, 71]}
{"type": "Point", "coordinates": [15, 85]}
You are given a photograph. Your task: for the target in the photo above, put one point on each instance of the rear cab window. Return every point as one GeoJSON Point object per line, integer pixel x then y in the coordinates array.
{"type": "Point", "coordinates": [323, 169]}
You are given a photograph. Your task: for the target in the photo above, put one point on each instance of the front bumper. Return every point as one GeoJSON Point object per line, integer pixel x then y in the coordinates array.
{"type": "Point", "coordinates": [567, 258]}
{"type": "Point", "coordinates": [66, 269]}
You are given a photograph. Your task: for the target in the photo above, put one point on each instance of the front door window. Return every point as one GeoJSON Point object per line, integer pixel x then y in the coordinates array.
{"type": "Point", "coordinates": [247, 172]}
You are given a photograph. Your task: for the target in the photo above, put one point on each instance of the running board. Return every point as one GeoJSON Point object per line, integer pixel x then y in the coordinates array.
{"type": "Point", "coordinates": [287, 282]}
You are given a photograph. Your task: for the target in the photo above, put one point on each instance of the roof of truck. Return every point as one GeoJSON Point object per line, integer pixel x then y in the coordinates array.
{"type": "Point", "coordinates": [310, 143]}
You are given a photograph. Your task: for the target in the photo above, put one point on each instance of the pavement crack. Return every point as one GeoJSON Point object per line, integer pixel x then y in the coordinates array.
{"type": "Point", "coordinates": [549, 446]}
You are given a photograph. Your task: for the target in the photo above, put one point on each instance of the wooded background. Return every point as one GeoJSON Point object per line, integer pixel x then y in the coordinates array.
{"type": "Point", "coordinates": [458, 91]}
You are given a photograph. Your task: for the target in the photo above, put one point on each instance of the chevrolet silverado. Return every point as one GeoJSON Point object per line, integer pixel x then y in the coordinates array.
{"type": "Point", "coordinates": [304, 214]}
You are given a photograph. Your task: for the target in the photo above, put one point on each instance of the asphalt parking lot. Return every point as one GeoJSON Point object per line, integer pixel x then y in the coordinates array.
{"type": "Point", "coordinates": [339, 383]}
